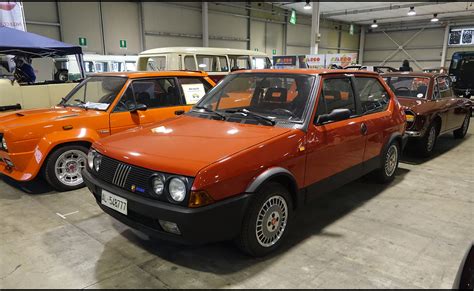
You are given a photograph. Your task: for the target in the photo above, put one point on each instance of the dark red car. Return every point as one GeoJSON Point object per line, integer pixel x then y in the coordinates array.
{"type": "Point", "coordinates": [431, 107]}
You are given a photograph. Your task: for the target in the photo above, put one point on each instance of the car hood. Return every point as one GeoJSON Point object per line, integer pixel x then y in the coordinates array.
{"type": "Point", "coordinates": [25, 118]}
{"type": "Point", "coordinates": [417, 105]}
{"type": "Point", "coordinates": [186, 144]}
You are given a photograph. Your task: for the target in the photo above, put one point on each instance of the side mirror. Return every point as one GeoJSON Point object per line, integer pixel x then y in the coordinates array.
{"type": "Point", "coordinates": [335, 115]}
{"type": "Point", "coordinates": [137, 107]}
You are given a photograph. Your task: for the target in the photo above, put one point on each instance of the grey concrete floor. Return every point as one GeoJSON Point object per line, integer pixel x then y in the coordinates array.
{"type": "Point", "coordinates": [412, 233]}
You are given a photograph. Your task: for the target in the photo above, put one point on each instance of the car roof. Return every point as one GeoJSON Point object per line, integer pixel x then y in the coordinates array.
{"type": "Point", "coordinates": [145, 74]}
{"type": "Point", "coordinates": [414, 74]}
{"type": "Point", "coordinates": [308, 71]}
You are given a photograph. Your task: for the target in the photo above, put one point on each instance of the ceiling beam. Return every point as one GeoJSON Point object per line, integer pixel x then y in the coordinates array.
{"type": "Point", "coordinates": [378, 9]}
{"type": "Point", "coordinates": [383, 20]}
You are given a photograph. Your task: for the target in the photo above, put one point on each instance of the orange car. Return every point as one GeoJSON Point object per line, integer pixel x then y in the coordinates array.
{"type": "Point", "coordinates": [56, 140]}
{"type": "Point", "coordinates": [251, 152]}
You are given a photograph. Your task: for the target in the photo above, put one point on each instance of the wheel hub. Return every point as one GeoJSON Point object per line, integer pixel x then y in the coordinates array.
{"type": "Point", "coordinates": [271, 221]}
{"type": "Point", "coordinates": [68, 167]}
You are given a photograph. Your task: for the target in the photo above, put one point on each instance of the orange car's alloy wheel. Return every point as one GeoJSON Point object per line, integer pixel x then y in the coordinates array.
{"type": "Point", "coordinates": [391, 161]}
{"type": "Point", "coordinates": [68, 167]}
{"type": "Point", "coordinates": [271, 221]}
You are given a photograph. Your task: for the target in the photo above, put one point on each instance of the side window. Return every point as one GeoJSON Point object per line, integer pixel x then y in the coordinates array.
{"type": "Point", "coordinates": [157, 63]}
{"type": "Point", "coordinates": [193, 89]}
{"type": "Point", "coordinates": [189, 63]}
{"type": "Point", "coordinates": [444, 88]}
{"type": "Point", "coordinates": [239, 62]}
{"type": "Point", "coordinates": [337, 94]}
{"type": "Point", "coordinates": [89, 67]}
{"type": "Point", "coordinates": [209, 63]}
{"type": "Point", "coordinates": [373, 96]}
{"type": "Point", "coordinates": [224, 66]}
{"type": "Point", "coordinates": [126, 100]}
{"type": "Point", "coordinates": [435, 92]}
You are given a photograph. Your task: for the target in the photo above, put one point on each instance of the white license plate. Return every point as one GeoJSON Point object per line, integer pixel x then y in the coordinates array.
{"type": "Point", "coordinates": [115, 202]}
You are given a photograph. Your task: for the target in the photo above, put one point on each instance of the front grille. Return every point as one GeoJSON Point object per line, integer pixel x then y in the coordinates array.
{"type": "Point", "coordinates": [125, 176]}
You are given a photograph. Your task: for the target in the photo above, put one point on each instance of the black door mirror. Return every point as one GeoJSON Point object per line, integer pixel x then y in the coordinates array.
{"type": "Point", "coordinates": [335, 115]}
{"type": "Point", "coordinates": [137, 107]}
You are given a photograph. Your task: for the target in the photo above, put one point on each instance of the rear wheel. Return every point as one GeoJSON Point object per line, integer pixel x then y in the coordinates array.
{"type": "Point", "coordinates": [267, 220]}
{"type": "Point", "coordinates": [389, 165]}
{"type": "Point", "coordinates": [461, 132]}
{"type": "Point", "coordinates": [63, 168]}
{"type": "Point", "coordinates": [426, 144]}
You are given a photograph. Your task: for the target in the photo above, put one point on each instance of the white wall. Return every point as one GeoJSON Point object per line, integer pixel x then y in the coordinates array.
{"type": "Point", "coordinates": [179, 24]}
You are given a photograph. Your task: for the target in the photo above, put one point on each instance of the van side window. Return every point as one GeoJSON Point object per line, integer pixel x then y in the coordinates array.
{"type": "Point", "coordinates": [373, 96]}
{"type": "Point", "coordinates": [189, 63]}
{"type": "Point", "coordinates": [210, 63]}
{"type": "Point", "coordinates": [261, 63]}
{"type": "Point", "coordinates": [239, 62]}
{"type": "Point", "coordinates": [157, 63]}
{"type": "Point", "coordinates": [443, 87]}
{"type": "Point", "coordinates": [337, 94]}
{"type": "Point", "coordinates": [224, 66]}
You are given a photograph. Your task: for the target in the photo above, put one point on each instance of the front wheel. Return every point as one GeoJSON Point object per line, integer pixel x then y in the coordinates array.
{"type": "Point", "coordinates": [389, 165]}
{"type": "Point", "coordinates": [462, 131]}
{"type": "Point", "coordinates": [64, 166]}
{"type": "Point", "coordinates": [267, 220]}
{"type": "Point", "coordinates": [426, 144]}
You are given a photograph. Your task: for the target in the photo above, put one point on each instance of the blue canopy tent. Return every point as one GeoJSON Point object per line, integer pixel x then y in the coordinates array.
{"type": "Point", "coordinates": [21, 43]}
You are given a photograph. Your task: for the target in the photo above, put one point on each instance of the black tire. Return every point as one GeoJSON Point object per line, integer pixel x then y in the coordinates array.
{"type": "Point", "coordinates": [247, 240]}
{"type": "Point", "coordinates": [462, 131]}
{"type": "Point", "coordinates": [426, 144]}
{"type": "Point", "coordinates": [389, 163]}
{"type": "Point", "coordinates": [50, 167]}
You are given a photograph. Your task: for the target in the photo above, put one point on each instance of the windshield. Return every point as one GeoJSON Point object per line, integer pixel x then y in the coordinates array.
{"type": "Point", "coordinates": [411, 87]}
{"type": "Point", "coordinates": [280, 97]}
{"type": "Point", "coordinates": [95, 92]}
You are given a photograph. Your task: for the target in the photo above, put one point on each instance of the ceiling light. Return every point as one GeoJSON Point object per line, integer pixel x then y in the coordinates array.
{"type": "Point", "coordinates": [412, 11]}
{"type": "Point", "coordinates": [374, 25]}
{"type": "Point", "coordinates": [435, 18]}
{"type": "Point", "coordinates": [307, 6]}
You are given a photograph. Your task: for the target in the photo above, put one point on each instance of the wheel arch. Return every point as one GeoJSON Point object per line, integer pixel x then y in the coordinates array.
{"type": "Point", "coordinates": [279, 175]}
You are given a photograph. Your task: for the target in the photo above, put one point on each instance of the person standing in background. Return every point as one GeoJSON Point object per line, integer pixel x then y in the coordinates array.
{"type": "Point", "coordinates": [406, 67]}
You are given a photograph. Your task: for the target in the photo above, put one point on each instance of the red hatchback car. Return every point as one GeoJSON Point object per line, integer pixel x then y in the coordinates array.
{"type": "Point", "coordinates": [248, 155]}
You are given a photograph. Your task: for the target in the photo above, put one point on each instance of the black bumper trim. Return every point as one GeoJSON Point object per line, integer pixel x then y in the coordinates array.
{"type": "Point", "coordinates": [216, 222]}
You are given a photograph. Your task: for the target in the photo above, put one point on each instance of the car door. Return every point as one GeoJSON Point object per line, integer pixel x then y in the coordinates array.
{"type": "Point", "coordinates": [442, 105]}
{"type": "Point", "coordinates": [334, 149]}
{"type": "Point", "coordinates": [374, 100]}
{"type": "Point", "coordinates": [456, 111]}
{"type": "Point", "coordinates": [160, 95]}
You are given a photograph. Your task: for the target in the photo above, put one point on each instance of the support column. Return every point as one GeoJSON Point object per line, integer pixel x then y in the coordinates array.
{"type": "Point", "coordinates": [315, 28]}
{"type": "Point", "coordinates": [205, 25]}
{"type": "Point", "coordinates": [361, 45]}
{"type": "Point", "coordinates": [445, 45]}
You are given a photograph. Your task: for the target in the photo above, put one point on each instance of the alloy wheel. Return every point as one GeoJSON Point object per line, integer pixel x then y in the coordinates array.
{"type": "Point", "coordinates": [271, 221]}
{"type": "Point", "coordinates": [68, 167]}
{"type": "Point", "coordinates": [391, 160]}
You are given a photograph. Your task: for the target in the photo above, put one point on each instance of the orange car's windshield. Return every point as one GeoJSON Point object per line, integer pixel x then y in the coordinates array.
{"type": "Point", "coordinates": [276, 96]}
{"type": "Point", "coordinates": [412, 87]}
{"type": "Point", "coordinates": [96, 92]}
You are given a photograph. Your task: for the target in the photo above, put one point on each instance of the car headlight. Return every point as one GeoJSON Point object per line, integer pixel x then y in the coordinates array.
{"type": "Point", "coordinates": [97, 162]}
{"type": "Point", "coordinates": [177, 189]}
{"type": "Point", "coordinates": [410, 117]}
{"type": "Point", "coordinates": [90, 158]}
{"type": "Point", "coordinates": [4, 144]}
{"type": "Point", "coordinates": [158, 184]}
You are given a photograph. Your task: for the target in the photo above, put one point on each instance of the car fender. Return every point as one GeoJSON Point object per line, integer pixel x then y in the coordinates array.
{"type": "Point", "coordinates": [394, 136]}
{"type": "Point", "coordinates": [269, 174]}
{"type": "Point", "coordinates": [53, 139]}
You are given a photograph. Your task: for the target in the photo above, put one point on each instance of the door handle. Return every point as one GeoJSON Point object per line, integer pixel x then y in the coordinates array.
{"type": "Point", "coordinates": [363, 128]}
{"type": "Point", "coordinates": [179, 112]}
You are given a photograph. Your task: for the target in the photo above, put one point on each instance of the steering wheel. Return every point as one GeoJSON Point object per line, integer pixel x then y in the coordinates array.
{"type": "Point", "coordinates": [284, 111]}
{"type": "Point", "coordinates": [403, 88]}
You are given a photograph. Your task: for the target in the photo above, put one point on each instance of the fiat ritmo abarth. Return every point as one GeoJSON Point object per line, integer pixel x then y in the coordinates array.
{"type": "Point", "coordinates": [250, 153]}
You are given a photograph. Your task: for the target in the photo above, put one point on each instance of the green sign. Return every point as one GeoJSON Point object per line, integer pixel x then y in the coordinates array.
{"type": "Point", "coordinates": [351, 29]}
{"type": "Point", "coordinates": [293, 17]}
{"type": "Point", "coordinates": [82, 41]}
{"type": "Point", "coordinates": [274, 51]}
{"type": "Point", "coordinates": [123, 43]}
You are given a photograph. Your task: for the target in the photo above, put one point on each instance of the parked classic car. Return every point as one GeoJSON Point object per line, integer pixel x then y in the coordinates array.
{"type": "Point", "coordinates": [256, 148]}
{"type": "Point", "coordinates": [55, 141]}
{"type": "Point", "coordinates": [432, 108]}
{"type": "Point", "coordinates": [461, 71]}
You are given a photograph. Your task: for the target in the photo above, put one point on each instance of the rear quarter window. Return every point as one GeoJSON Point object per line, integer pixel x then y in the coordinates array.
{"type": "Point", "coordinates": [372, 94]}
{"type": "Point", "coordinates": [193, 88]}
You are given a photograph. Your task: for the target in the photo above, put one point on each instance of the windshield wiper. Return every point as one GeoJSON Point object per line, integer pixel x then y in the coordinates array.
{"type": "Point", "coordinates": [222, 117]}
{"type": "Point", "coordinates": [253, 114]}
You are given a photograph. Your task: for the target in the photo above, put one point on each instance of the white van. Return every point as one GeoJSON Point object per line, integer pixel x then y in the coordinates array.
{"type": "Point", "coordinates": [217, 62]}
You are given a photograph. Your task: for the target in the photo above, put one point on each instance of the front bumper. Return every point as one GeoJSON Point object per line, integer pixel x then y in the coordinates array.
{"type": "Point", "coordinates": [409, 133]}
{"type": "Point", "coordinates": [24, 168]}
{"type": "Point", "coordinates": [216, 222]}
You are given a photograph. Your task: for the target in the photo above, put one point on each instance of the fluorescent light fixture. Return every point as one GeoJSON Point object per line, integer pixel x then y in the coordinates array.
{"type": "Point", "coordinates": [435, 18]}
{"type": "Point", "coordinates": [307, 6]}
{"type": "Point", "coordinates": [374, 25]}
{"type": "Point", "coordinates": [412, 11]}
